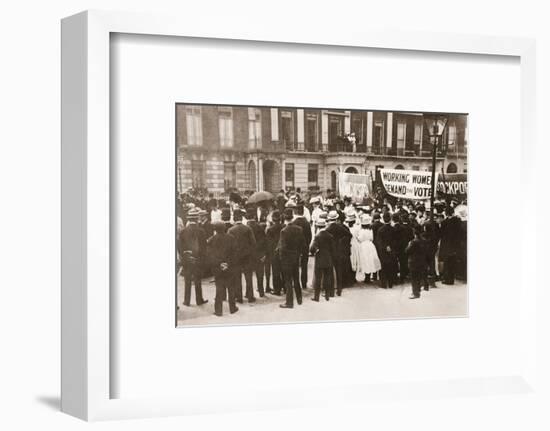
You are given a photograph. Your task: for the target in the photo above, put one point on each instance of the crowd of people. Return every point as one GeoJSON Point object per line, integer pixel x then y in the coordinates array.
{"type": "Point", "coordinates": [379, 241]}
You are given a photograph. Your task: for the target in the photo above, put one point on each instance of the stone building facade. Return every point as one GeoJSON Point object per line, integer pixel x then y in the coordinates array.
{"type": "Point", "coordinates": [270, 148]}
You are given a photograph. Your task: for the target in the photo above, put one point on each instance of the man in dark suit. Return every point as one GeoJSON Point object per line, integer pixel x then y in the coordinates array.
{"type": "Point", "coordinates": [385, 244]}
{"type": "Point", "coordinates": [404, 234]}
{"type": "Point", "coordinates": [291, 247]}
{"type": "Point", "coordinates": [273, 235]}
{"type": "Point", "coordinates": [342, 237]}
{"type": "Point", "coordinates": [416, 260]}
{"type": "Point", "coordinates": [226, 218]}
{"type": "Point", "coordinates": [260, 251]}
{"type": "Point", "coordinates": [451, 236]}
{"type": "Point", "coordinates": [205, 224]}
{"type": "Point", "coordinates": [432, 236]}
{"type": "Point", "coordinates": [302, 222]}
{"type": "Point", "coordinates": [324, 250]}
{"type": "Point", "coordinates": [376, 224]}
{"type": "Point", "coordinates": [192, 248]}
{"type": "Point", "coordinates": [267, 261]}
{"type": "Point", "coordinates": [245, 245]}
{"type": "Point", "coordinates": [221, 250]}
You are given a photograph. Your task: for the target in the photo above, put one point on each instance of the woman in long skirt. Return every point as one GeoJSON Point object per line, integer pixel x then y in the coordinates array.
{"type": "Point", "coordinates": [369, 263]}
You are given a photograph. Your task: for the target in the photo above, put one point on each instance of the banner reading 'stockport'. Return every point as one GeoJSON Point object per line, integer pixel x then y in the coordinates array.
{"type": "Point", "coordinates": [407, 184]}
{"type": "Point", "coordinates": [453, 185]}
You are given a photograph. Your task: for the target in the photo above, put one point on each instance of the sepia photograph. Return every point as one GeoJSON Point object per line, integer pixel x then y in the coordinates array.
{"type": "Point", "coordinates": [297, 214]}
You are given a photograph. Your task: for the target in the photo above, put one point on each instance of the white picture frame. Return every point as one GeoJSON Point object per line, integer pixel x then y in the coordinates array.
{"type": "Point", "coordinates": [86, 340]}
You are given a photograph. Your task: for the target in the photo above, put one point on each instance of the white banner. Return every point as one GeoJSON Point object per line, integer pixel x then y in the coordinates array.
{"type": "Point", "coordinates": [356, 186]}
{"type": "Point", "coordinates": [407, 184]}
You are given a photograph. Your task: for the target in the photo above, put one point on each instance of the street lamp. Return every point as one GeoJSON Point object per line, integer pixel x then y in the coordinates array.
{"type": "Point", "coordinates": [435, 125]}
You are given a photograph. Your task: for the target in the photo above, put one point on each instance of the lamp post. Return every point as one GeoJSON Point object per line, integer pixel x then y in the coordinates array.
{"type": "Point", "coordinates": [435, 125]}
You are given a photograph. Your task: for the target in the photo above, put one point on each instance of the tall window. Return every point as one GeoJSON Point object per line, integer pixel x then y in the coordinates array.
{"type": "Point", "coordinates": [198, 173]}
{"type": "Point", "coordinates": [229, 175]}
{"type": "Point", "coordinates": [289, 175]}
{"type": "Point", "coordinates": [335, 133]}
{"type": "Point", "coordinates": [312, 175]}
{"type": "Point", "coordinates": [333, 181]}
{"type": "Point", "coordinates": [194, 125]}
{"type": "Point", "coordinates": [287, 129]}
{"type": "Point", "coordinates": [451, 136]}
{"type": "Point", "coordinates": [312, 132]}
{"type": "Point", "coordinates": [378, 138]}
{"type": "Point", "coordinates": [401, 135]}
{"type": "Point", "coordinates": [357, 128]}
{"type": "Point", "coordinates": [418, 134]}
{"type": "Point", "coordinates": [225, 119]}
{"type": "Point", "coordinates": [254, 128]}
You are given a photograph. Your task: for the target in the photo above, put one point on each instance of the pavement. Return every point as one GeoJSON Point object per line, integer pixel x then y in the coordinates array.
{"type": "Point", "coordinates": [359, 302]}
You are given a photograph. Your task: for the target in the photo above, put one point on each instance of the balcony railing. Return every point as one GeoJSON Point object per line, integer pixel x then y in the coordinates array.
{"type": "Point", "coordinates": [343, 146]}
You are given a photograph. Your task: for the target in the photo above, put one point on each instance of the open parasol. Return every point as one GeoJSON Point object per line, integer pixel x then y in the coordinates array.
{"type": "Point", "coordinates": [258, 197]}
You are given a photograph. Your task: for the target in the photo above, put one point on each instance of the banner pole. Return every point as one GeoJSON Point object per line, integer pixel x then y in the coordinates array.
{"type": "Point", "coordinates": [434, 153]}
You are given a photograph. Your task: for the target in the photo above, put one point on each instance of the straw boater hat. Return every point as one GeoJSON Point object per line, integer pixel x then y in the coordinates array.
{"type": "Point", "coordinates": [350, 217]}
{"type": "Point", "coordinates": [321, 222]}
{"type": "Point", "coordinates": [333, 215]}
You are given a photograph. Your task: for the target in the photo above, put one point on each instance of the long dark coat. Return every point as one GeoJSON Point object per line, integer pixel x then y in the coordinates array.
{"type": "Point", "coordinates": [324, 250]}
{"type": "Point", "coordinates": [192, 238]}
{"type": "Point", "coordinates": [342, 237]}
{"type": "Point", "coordinates": [258, 229]}
{"type": "Point", "coordinates": [245, 244]}
{"type": "Point", "coordinates": [291, 245]}
{"type": "Point", "coordinates": [221, 249]}
{"type": "Point", "coordinates": [273, 235]}
{"type": "Point", "coordinates": [451, 236]}
{"type": "Point", "coordinates": [306, 228]}
{"type": "Point", "coordinates": [386, 237]}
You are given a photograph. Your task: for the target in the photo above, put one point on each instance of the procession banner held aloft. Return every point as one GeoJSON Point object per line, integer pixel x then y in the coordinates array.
{"type": "Point", "coordinates": [355, 186]}
{"type": "Point", "coordinates": [403, 184]}
{"type": "Point", "coordinates": [453, 185]}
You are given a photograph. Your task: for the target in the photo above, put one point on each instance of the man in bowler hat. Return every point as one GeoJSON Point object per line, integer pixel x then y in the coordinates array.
{"type": "Point", "coordinates": [260, 250]}
{"type": "Point", "coordinates": [451, 235]}
{"type": "Point", "coordinates": [385, 244]}
{"type": "Point", "coordinates": [301, 221]}
{"type": "Point", "coordinates": [417, 263]}
{"type": "Point", "coordinates": [324, 251]}
{"type": "Point", "coordinates": [245, 245]}
{"type": "Point", "coordinates": [291, 247]}
{"type": "Point", "coordinates": [342, 237]}
{"type": "Point", "coordinates": [221, 252]}
{"type": "Point", "coordinates": [273, 235]}
{"type": "Point", "coordinates": [192, 248]}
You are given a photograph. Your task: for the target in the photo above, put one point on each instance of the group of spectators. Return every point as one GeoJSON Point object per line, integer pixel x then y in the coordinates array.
{"type": "Point", "coordinates": [377, 241]}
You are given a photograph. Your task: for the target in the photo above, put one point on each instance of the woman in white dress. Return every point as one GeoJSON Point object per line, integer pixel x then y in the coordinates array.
{"type": "Point", "coordinates": [354, 229]}
{"type": "Point", "coordinates": [369, 263]}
